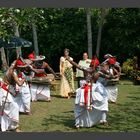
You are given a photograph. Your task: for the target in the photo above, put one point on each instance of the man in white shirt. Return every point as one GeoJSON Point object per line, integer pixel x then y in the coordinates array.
{"type": "Point", "coordinates": [84, 63]}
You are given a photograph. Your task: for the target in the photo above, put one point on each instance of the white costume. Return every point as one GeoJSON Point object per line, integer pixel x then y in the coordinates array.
{"type": "Point", "coordinates": [99, 103]}
{"type": "Point", "coordinates": [40, 92]}
{"type": "Point", "coordinates": [112, 91]}
{"type": "Point", "coordinates": [10, 115]}
{"type": "Point", "coordinates": [23, 97]}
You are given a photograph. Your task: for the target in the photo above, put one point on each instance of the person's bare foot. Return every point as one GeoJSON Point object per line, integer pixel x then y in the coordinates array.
{"type": "Point", "coordinates": [105, 123]}
{"type": "Point", "coordinates": [48, 100]}
{"type": "Point", "coordinates": [77, 127]}
{"type": "Point", "coordinates": [101, 122]}
{"type": "Point", "coordinates": [69, 97]}
{"type": "Point", "coordinates": [113, 102]}
{"type": "Point", "coordinates": [18, 130]}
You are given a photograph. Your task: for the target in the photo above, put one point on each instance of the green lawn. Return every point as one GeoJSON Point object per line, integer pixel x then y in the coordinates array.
{"type": "Point", "coordinates": [58, 114]}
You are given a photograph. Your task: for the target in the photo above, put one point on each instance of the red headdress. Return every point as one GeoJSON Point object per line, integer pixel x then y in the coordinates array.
{"type": "Point", "coordinates": [35, 58]}
{"type": "Point", "coordinates": [20, 63]}
{"type": "Point", "coordinates": [112, 60]}
{"type": "Point", "coordinates": [95, 62]}
{"type": "Point", "coordinates": [31, 56]}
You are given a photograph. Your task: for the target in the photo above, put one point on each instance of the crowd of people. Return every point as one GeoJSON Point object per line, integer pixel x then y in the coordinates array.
{"type": "Point", "coordinates": [95, 88]}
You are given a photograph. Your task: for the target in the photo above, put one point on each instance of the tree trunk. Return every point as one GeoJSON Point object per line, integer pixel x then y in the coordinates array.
{"type": "Point", "coordinates": [7, 50]}
{"type": "Point", "coordinates": [35, 39]}
{"type": "Point", "coordinates": [16, 33]}
{"type": "Point", "coordinates": [100, 32]}
{"type": "Point", "coordinates": [3, 58]}
{"type": "Point", "coordinates": [89, 32]}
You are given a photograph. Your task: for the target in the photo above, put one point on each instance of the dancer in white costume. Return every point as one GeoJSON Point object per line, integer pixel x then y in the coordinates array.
{"type": "Point", "coordinates": [24, 97]}
{"type": "Point", "coordinates": [114, 69]}
{"type": "Point", "coordinates": [9, 111]}
{"type": "Point", "coordinates": [40, 91]}
{"type": "Point", "coordinates": [91, 103]}
{"type": "Point", "coordinates": [9, 108]}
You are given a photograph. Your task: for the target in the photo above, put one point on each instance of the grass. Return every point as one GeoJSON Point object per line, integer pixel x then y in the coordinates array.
{"type": "Point", "coordinates": [58, 115]}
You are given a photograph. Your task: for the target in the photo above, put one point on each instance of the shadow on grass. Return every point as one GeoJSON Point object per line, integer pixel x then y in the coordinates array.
{"type": "Point", "coordinates": [125, 117]}
{"type": "Point", "coordinates": [68, 124]}
{"type": "Point", "coordinates": [59, 120]}
{"type": "Point", "coordinates": [41, 101]}
{"type": "Point", "coordinates": [69, 111]}
{"type": "Point", "coordinates": [57, 96]}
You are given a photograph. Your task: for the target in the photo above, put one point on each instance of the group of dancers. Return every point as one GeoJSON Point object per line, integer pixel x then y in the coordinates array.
{"type": "Point", "coordinates": [91, 98]}
{"type": "Point", "coordinates": [96, 87]}
{"type": "Point", "coordinates": [17, 89]}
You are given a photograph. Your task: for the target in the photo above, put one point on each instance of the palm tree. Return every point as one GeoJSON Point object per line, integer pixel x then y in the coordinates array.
{"type": "Point", "coordinates": [103, 14]}
{"type": "Point", "coordinates": [89, 32]}
{"type": "Point", "coordinates": [3, 58]}
{"type": "Point", "coordinates": [16, 33]}
{"type": "Point", "coordinates": [35, 39]}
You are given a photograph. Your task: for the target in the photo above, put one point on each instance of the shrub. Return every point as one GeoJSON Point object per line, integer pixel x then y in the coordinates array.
{"type": "Point", "coordinates": [130, 69]}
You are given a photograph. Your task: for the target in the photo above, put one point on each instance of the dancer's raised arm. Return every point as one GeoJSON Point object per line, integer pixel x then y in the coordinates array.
{"type": "Point", "coordinates": [46, 65]}
{"type": "Point", "coordinates": [74, 64]}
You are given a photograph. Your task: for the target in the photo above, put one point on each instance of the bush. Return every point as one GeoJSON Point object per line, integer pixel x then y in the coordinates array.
{"type": "Point", "coordinates": [127, 68]}
{"type": "Point", "coordinates": [130, 69]}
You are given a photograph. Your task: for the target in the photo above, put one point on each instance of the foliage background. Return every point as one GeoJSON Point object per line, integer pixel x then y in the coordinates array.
{"type": "Point", "coordinates": [67, 28]}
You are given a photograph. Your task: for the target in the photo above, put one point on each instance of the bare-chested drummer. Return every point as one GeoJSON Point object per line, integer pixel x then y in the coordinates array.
{"type": "Point", "coordinates": [40, 91]}
{"type": "Point", "coordinates": [39, 63]}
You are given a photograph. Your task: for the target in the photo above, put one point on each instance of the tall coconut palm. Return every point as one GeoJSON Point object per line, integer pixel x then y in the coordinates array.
{"type": "Point", "coordinates": [16, 33]}
{"type": "Point", "coordinates": [3, 58]}
{"type": "Point", "coordinates": [35, 39]}
{"type": "Point", "coordinates": [102, 18]}
{"type": "Point", "coordinates": [89, 32]}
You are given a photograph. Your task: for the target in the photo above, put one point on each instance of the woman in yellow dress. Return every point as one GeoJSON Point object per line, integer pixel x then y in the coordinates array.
{"type": "Point", "coordinates": [66, 72]}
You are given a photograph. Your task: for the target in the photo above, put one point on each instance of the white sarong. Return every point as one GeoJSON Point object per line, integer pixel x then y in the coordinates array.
{"type": "Point", "coordinates": [10, 117]}
{"type": "Point", "coordinates": [112, 92]}
{"type": "Point", "coordinates": [99, 92]}
{"type": "Point", "coordinates": [88, 118]}
{"type": "Point", "coordinates": [40, 92]}
{"type": "Point", "coordinates": [23, 99]}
